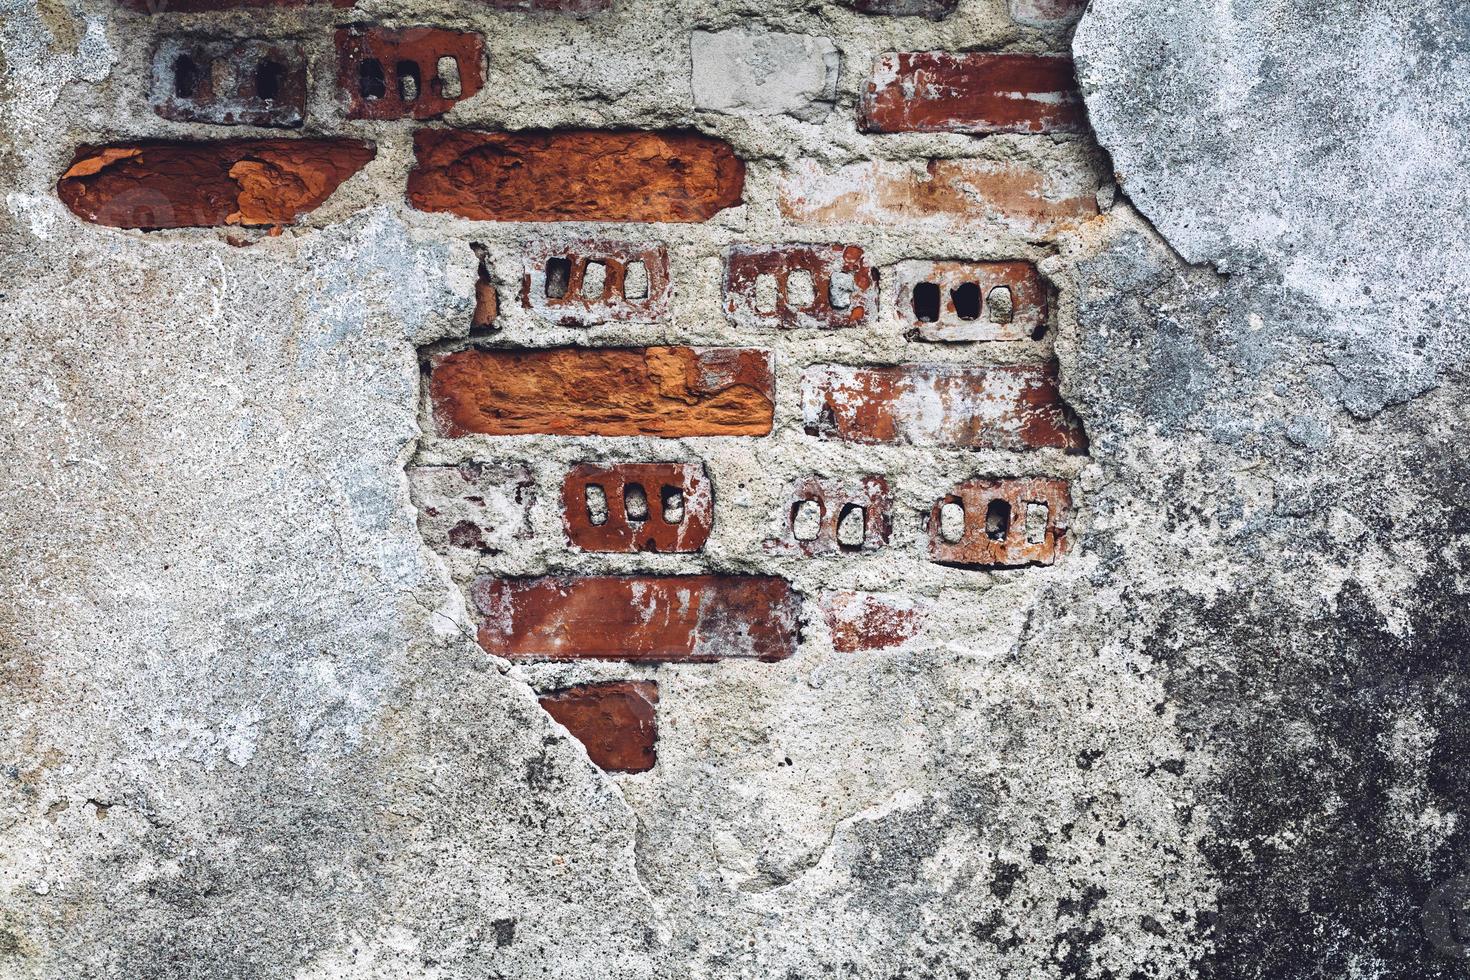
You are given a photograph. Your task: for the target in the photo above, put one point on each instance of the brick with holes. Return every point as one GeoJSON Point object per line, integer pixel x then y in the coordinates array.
{"type": "Point", "coordinates": [592, 281]}
{"type": "Point", "coordinates": [1001, 406]}
{"type": "Point", "coordinates": [972, 92]}
{"type": "Point", "coordinates": [616, 721]}
{"type": "Point", "coordinates": [605, 391]}
{"type": "Point", "coordinates": [229, 82]}
{"type": "Point", "coordinates": [1001, 523]}
{"type": "Point", "coordinates": [860, 621]}
{"type": "Point", "coordinates": [475, 506]}
{"type": "Point", "coordinates": [418, 72]}
{"type": "Point", "coordinates": [632, 507]}
{"type": "Point", "coordinates": [639, 618]}
{"type": "Point", "coordinates": [831, 516]}
{"type": "Point", "coordinates": [970, 301]}
{"type": "Point", "coordinates": [810, 287]}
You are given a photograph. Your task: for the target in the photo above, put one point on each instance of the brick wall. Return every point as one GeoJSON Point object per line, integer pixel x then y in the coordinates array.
{"type": "Point", "coordinates": [775, 376]}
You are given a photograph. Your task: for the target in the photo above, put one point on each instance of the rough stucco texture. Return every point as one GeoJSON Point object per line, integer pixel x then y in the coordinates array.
{"type": "Point", "coordinates": [247, 731]}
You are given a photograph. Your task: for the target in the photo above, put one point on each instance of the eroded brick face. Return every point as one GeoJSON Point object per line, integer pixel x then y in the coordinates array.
{"type": "Point", "coordinates": [592, 281]}
{"type": "Point", "coordinates": [629, 507]}
{"type": "Point", "coordinates": [970, 301]}
{"type": "Point", "coordinates": [1003, 406]}
{"type": "Point", "coordinates": [204, 6]}
{"type": "Point", "coordinates": [184, 185]}
{"type": "Point", "coordinates": [642, 618]}
{"type": "Point", "coordinates": [861, 621]}
{"type": "Point", "coordinates": [255, 83]}
{"type": "Point", "coordinates": [1001, 523]}
{"type": "Point", "coordinates": [616, 722]}
{"type": "Point", "coordinates": [933, 9]}
{"type": "Point", "coordinates": [418, 72]}
{"type": "Point", "coordinates": [655, 391]}
{"type": "Point", "coordinates": [575, 175]}
{"type": "Point", "coordinates": [478, 507]}
{"type": "Point", "coordinates": [972, 92]}
{"type": "Point", "coordinates": [939, 193]}
{"type": "Point", "coordinates": [812, 287]}
{"type": "Point", "coordinates": [830, 516]}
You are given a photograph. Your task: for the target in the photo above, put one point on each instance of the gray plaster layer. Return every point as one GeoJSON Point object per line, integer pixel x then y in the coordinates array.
{"type": "Point", "coordinates": [247, 732]}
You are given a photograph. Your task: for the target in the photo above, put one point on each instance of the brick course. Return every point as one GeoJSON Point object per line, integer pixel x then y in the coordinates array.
{"type": "Point", "coordinates": [973, 92]}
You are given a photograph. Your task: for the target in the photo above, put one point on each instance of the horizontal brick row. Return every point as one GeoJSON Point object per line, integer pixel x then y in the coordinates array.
{"type": "Point", "coordinates": [973, 92]}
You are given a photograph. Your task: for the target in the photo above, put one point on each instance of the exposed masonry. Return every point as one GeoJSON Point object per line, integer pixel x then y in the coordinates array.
{"type": "Point", "coordinates": [547, 452]}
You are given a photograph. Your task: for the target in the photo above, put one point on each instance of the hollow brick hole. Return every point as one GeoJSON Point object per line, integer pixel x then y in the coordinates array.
{"type": "Point", "coordinates": [635, 281]}
{"type": "Point", "coordinates": [841, 290]}
{"type": "Point", "coordinates": [966, 299]}
{"type": "Point", "coordinates": [806, 520]}
{"type": "Point", "coordinates": [765, 293]}
{"type": "Point", "coordinates": [673, 505]}
{"type": "Point", "coordinates": [801, 292]}
{"type": "Point", "coordinates": [1037, 517]}
{"type": "Point", "coordinates": [186, 77]}
{"type": "Point", "coordinates": [594, 280]}
{"type": "Point", "coordinates": [447, 71]}
{"type": "Point", "coordinates": [268, 75]}
{"type": "Point", "coordinates": [558, 274]}
{"type": "Point", "coordinates": [596, 504]}
{"type": "Point", "coordinates": [926, 302]}
{"type": "Point", "coordinates": [952, 521]}
{"type": "Point", "coordinates": [408, 80]}
{"type": "Point", "coordinates": [997, 520]}
{"type": "Point", "coordinates": [370, 80]}
{"type": "Point", "coordinates": [852, 526]}
{"type": "Point", "coordinates": [1001, 305]}
{"type": "Point", "coordinates": [635, 502]}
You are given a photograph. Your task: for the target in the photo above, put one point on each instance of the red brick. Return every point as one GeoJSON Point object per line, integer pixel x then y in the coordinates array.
{"type": "Point", "coordinates": [865, 621]}
{"type": "Point", "coordinates": [575, 175]}
{"type": "Point", "coordinates": [944, 194]}
{"type": "Point", "coordinates": [962, 297]}
{"type": "Point", "coordinates": [230, 82]}
{"type": "Point", "coordinates": [198, 6]}
{"type": "Point", "coordinates": [834, 499]}
{"type": "Point", "coordinates": [933, 9]}
{"type": "Point", "coordinates": [190, 185]}
{"type": "Point", "coordinates": [641, 618]}
{"type": "Point", "coordinates": [573, 7]}
{"type": "Point", "coordinates": [1009, 406]}
{"type": "Point", "coordinates": [1007, 523]}
{"type": "Point", "coordinates": [844, 286]}
{"type": "Point", "coordinates": [394, 59]}
{"type": "Point", "coordinates": [973, 92]}
{"type": "Point", "coordinates": [615, 721]}
{"type": "Point", "coordinates": [1047, 13]}
{"type": "Point", "coordinates": [662, 528]}
{"type": "Point", "coordinates": [477, 507]}
{"type": "Point", "coordinates": [608, 391]}
{"type": "Point", "coordinates": [557, 288]}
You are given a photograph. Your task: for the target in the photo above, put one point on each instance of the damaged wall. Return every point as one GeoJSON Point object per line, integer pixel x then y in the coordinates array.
{"type": "Point", "coordinates": [309, 596]}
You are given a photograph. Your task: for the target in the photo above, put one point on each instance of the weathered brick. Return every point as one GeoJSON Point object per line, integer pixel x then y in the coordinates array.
{"type": "Point", "coordinates": [621, 391]}
{"type": "Point", "coordinates": [616, 721]}
{"type": "Point", "coordinates": [630, 507]}
{"type": "Point", "coordinates": [942, 194]}
{"type": "Point", "coordinates": [1046, 13]}
{"type": "Point", "coordinates": [1001, 523]}
{"type": "Point", "coordinates": [188, 185]}
{"type": "Point", "coordinates": [205, 6]}
{"type": "Point", "coordinates": [757, 73]}
{"type": "Point", "coordinates": [573, 7]}
{"type": "Point", "coordinates": [575, 175]}
{"type": "Point", "coordinates": [970, 301]}
{"type": "Point", "coordinates": [480, 507]}
{"type": "Point", "coordinates": [229, 82]}
{"type": "Point", "coordinates": [631, 282]}
{"type": "Point", "coordinates": [824, 517]}
{"type": "Point", "coordinates": [868, 621]}
{"type": "Point", "coordinates": [972, 92]}
{"type": "Point", "coordinates": [638, 618]}
{"type": "Point", "coordinates": [760, 286]}
{"type": "Point", "coordinates": [487, 300]}
{"type": "Point", "coordinates": [933, 9]}
{"type": "Point", "coordinates": [1008, 406]}
{"type": "Point", "coordinates": [417, 71]}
